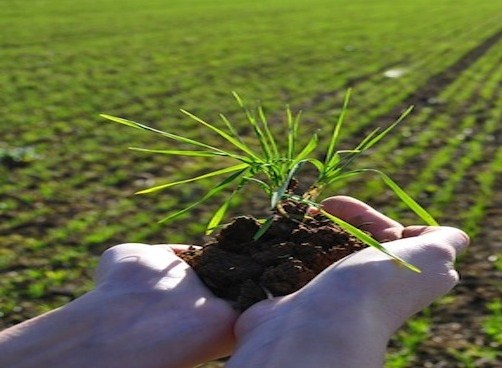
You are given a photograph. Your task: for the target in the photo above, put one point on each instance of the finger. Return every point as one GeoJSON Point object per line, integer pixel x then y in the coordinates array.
{"type": "Point", "coordinates": [139, 262]}
{"type": "Point", "coordinates": [135, 252]}
{"type": "Point", "coordinates": [114, 254]}
{"type": "Point", "coordinates": [364, 217]}
{"type": "Point", "coordinates": [417, 230]}
{"type": "Point", "coordinates": [433, 249]}
{"type": "Point", "coordinates": [453, 237]}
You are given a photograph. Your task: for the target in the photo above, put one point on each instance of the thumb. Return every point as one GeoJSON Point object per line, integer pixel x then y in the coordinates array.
{"type": "Point", "coordinates": [455, 238]}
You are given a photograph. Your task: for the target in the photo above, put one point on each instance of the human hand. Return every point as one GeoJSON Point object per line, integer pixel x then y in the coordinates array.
{"type": "Point", "coordinates": [149, 309]}
{"type": "Point", "coordinates": [166, 292]}
{"type": "Point", "coordinates": [346, 315]}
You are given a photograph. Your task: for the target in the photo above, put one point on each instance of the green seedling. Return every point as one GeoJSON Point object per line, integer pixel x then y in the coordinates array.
{"type": "Point", "coordinates": [273, 166]}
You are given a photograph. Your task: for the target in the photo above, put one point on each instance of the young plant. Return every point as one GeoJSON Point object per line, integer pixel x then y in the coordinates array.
{"type": "Point", "coordinates": [273, 166]}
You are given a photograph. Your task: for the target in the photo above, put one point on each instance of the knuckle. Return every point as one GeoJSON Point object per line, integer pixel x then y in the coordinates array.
{"type": "Point", "coordinates": [442, 251]}
{"type": "Point", "coordinates": [118, 251]}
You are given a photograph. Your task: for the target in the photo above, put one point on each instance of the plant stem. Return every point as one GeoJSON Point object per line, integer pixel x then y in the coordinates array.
{"type": "Point", "coordinates": [313, 192]}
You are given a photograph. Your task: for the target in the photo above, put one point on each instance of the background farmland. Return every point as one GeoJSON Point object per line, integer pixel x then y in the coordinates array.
{"type": "Point", "coordinates": [67, 179]}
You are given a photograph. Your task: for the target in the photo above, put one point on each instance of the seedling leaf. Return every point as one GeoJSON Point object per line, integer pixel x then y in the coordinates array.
{"type": "Point", "coordinates": [330, 155]}
{"type": "Point", "coordinates": [221, 186]}
{"type": "Point", "coordinates": [263, 228]}
{"type": "Point", "coordinates": [361, 235]}
{"type": "Point", "coordinates": [182, 152]}
{"type": "Point", "coordinates": [292, 132]}
{"type": "Point", "coordinates": [278, 194]}
{"type": "Point", "coordinates": [376, 139]}
{"type": "Point", "coordinates": [220, 213]}
{"type": "Point", "coordinates": [274, 149]}
{"type": "Point", "coordinates": [410, 202]}
{"type": "Point", "coordinates": [205, 176]}
{"type": "Point", "coordinates": [233, 140]}
{"type": "Point", "coordinates": [175, 137]}
{"type": "Point", "coordinates": [231, 128]}
{"type": "Point", "coordinates": [307, 150]}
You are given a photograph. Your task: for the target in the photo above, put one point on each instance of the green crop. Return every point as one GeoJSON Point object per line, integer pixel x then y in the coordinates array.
{"type": "Point", "coordinates": [273, 166]}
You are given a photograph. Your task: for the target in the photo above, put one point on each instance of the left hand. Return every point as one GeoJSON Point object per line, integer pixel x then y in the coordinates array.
{"type": "Point", "coordinates": [176, 314]}
{"type": "Point", "coordinates": [148, 310]}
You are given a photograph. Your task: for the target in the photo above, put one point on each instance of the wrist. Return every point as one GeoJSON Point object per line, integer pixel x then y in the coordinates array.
{"type": "Point", "coordinates": [49, 340]}
{"type": "Point", "coordinates": [105, 329]}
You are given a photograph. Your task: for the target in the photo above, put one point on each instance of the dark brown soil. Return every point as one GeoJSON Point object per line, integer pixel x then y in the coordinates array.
{"type": "Point", "coordinates": [290, 254]}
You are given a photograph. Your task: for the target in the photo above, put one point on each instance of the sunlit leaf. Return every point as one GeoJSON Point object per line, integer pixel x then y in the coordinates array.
{"type": "Point", "coordinates": [233, 140]}
{"type": "Point", "coordinates": [336, 131]}
{"type": "Point", "coordinates": [272, 143]}
{"type": "Point", "coordinates": [175, 137]}
{"type": "Point", "coordinates": [379, 137]}
{"type": "Point", "coordinates": [406, 198]}
{"type": "Point", "coordinates": [365, 238]}
{"type": "Point", "coordinates": [205, 176]}
{"type": "Point", "coordinates": [181, 152]}
{"type": "Point", "coordinates": [308, 149]}
{"type": "Point", "coordinates": [277, 195]}
{"type": "Point", "coordinates": [217, 189]}
{"type": "Point", "coordinates": [263, 228]}
{"type": "Point", "coordinates": [219, 214]}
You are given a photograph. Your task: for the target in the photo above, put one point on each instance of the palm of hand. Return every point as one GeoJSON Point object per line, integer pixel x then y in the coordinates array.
{"type": "Point", "coordinates": [369, 279]}
{"type": "Point", "coordinates": [160, 286]}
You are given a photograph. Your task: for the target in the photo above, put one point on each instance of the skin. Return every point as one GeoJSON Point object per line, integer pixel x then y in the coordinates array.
{"type": "Point", "coordinates": [346, 315]}
{"type": "Point", "coordinates": [149, 309]}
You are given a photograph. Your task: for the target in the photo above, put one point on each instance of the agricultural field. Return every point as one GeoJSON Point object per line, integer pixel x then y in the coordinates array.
{"type": "Point", "coordinates": [67, 179]}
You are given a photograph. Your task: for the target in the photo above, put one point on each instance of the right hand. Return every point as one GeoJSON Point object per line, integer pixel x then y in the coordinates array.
{"type": "Point", "coordinates": [365, 296]}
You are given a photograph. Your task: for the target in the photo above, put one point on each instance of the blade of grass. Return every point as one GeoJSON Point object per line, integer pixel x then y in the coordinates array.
{"type": "Point", "coordinates": [238, 99]}
{"type": "Point", "coordinates": [184, 152]}
{"type": "Point", "coordinates": [346, 161]}
{"type": "Point", "coordinates": [278, 194]}
{"type": "Point", "coordinates": [272, 143]}
{"type": "Point", "coordinates": [220, 213]}
{"type": "Point", "coordinates": [267, 153]}
{"type": "Point", "coordinates": [217, 189]}
{"type": "Point", "coordinates": [363, 144]}
{"type": "Point", "coordinates": [361, 235]}
{"type": "Point", "coordinates": [205, 176]}
{"type": "Point", "coordinates": [307, 150]}
{"type": "Point", "coordinates": [338, 177]}
{"type": "Point", "coordinates": [371, 139]}
{"type": "Point", "coordinates": [410, 202]}
{"type": "Point", "coordinates": [336, 131]}
{"type": "Point", "coordinates": [292, 133]}
{"type": "Point", "coordinates": [263, 228]}
{"type": "Point", "coordinates": [264, 186]}
{"type": "Point", "coordinates": [233, 140]}
{"type": "Point", "coordinates": [175, 137]}
{"type": "Point", "coordinates": [376, 139]}
{"type": "Point", "coordinates": [129, 123]}
{"type": "Point", "coordinates": [231, 128]}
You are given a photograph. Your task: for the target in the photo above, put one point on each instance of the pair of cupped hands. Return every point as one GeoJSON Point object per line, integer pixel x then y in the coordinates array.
{"type": "Point", "coordinates": [149, 309]}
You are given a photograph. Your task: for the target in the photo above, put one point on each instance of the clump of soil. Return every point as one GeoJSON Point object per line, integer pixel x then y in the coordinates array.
{"type": "Point", "coordinates": [290, 254]}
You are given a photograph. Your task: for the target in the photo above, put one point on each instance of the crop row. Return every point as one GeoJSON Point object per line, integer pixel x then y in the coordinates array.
{"type": "Point", "coordinates": [454, 134]}
{"type": "Point", "coordinates": [48, 77]}
{"type": "Point", "coordinates": [63, 66]}
{"type": "Point", "coordinates": [65, 75]}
